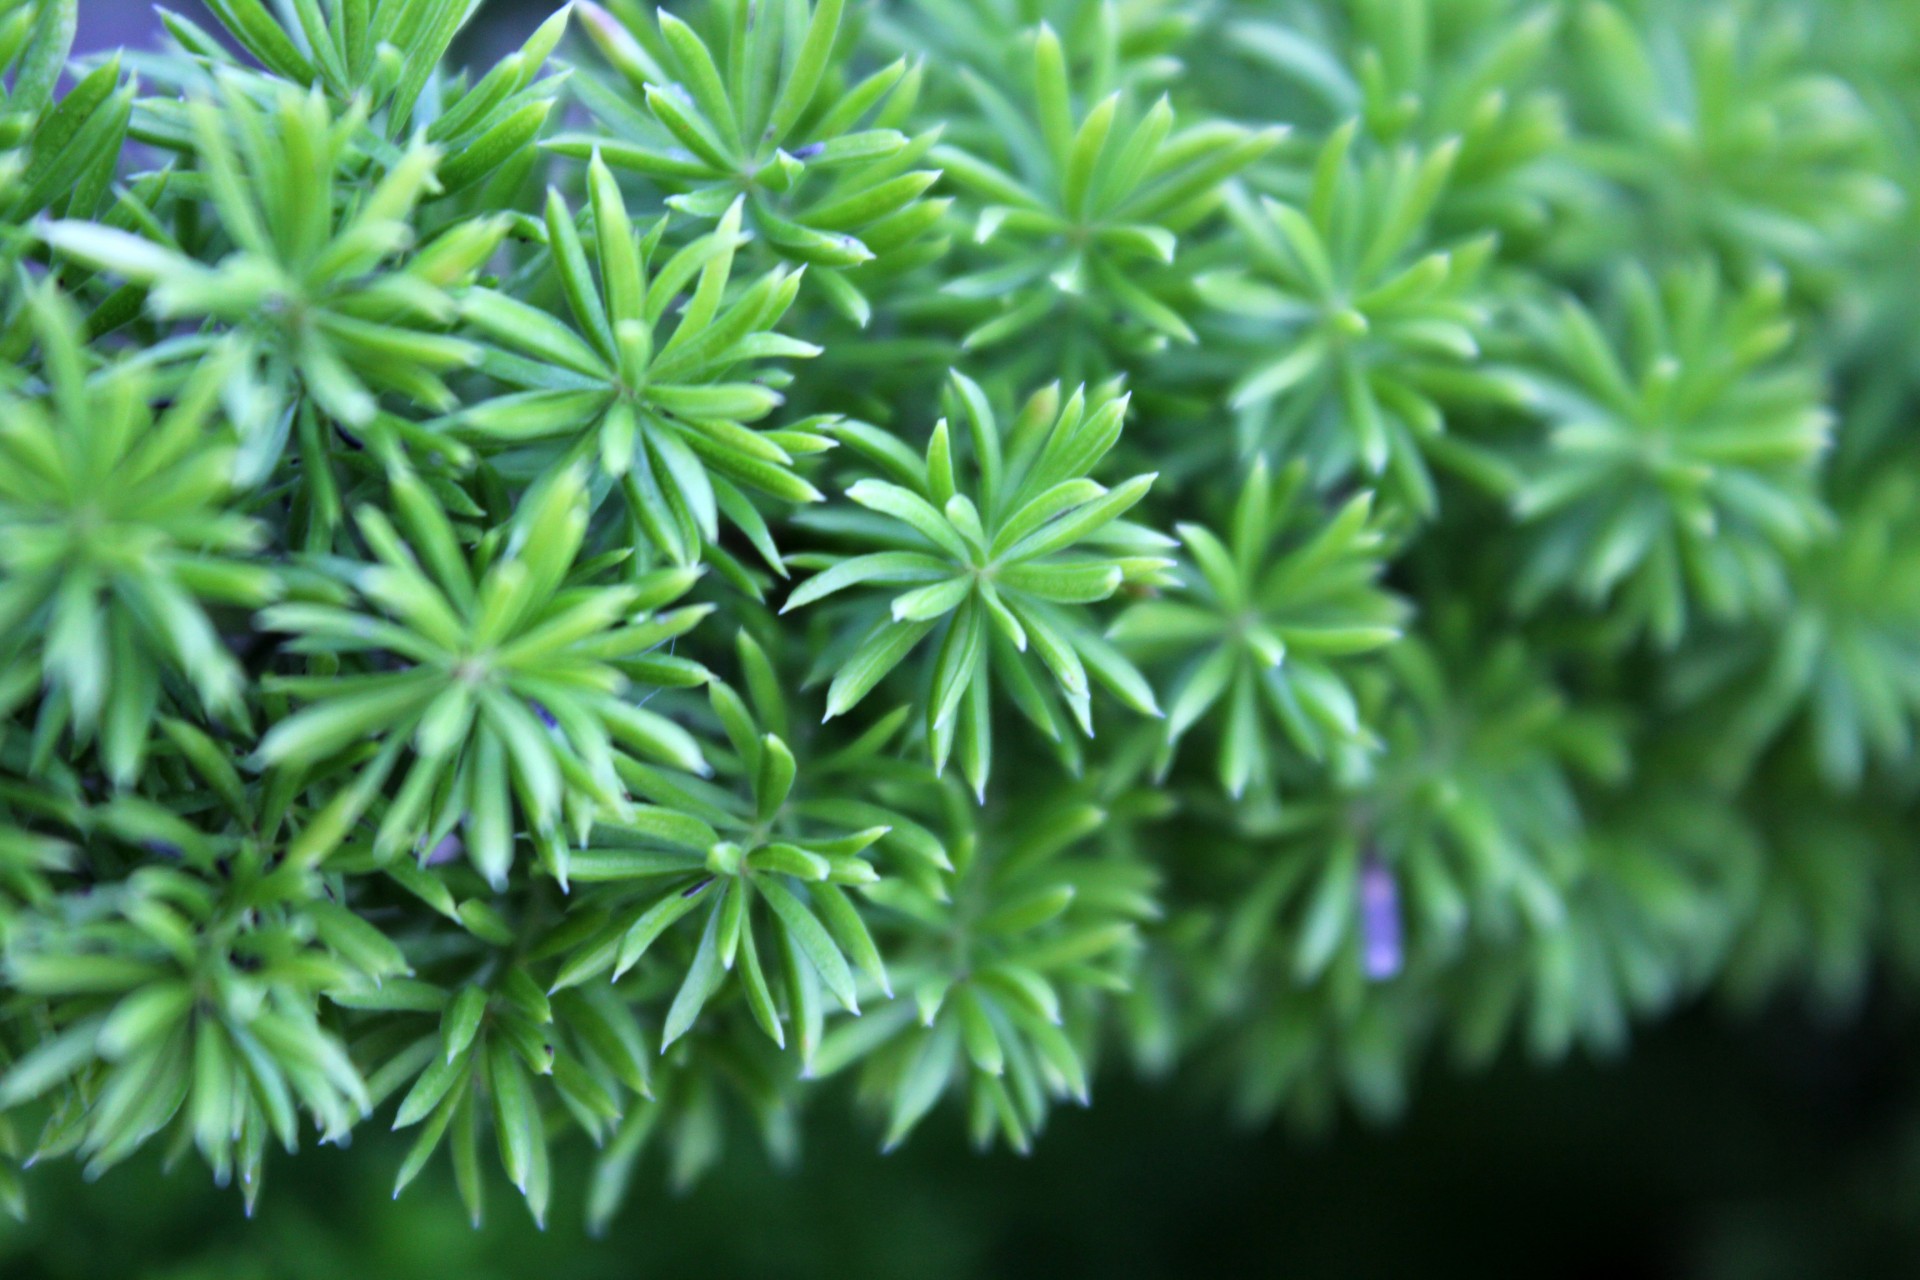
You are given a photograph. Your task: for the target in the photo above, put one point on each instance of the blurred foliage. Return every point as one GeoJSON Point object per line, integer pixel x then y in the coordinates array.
{"type": "Point", "coordinates": [774, 557]}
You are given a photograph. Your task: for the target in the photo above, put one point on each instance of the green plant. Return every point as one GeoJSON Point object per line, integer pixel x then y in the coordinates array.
{"type": "Point", "coordinates": [590, 603]}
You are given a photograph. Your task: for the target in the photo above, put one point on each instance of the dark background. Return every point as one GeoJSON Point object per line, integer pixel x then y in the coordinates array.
{"type": "Point", "coordinates": [1783, 1146]}
{"type": "Point", "coordinates": [1718, 1149]}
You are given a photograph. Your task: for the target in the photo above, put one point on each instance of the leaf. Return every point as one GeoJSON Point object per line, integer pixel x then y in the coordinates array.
{"type": "Point", "coordinates": [123, 253]}
{"type": "Point", "coordinates": [703, 978]}
{"type": "Point", "coordinates": [883, 566]}
{"type": "Point", "coordinates": [1082, 520]}
{"type": "Point", "coordinates": [931, 602]}
{"type": "Point", "coordinates": [434, 1085]}
{"type": "Point", "coordinates": [260, 35]}
{"type": "Point", "coordinates": [702, 78]}
{"type": "Point", "coordinates": [576, 281]}
{"type": "Point", "coordinates": [977, 1032]}
{"type": "Point", "coordinates": [880, 653]}
{"type": "Point", "coordinates": [926, 1079]}
{"type": "Point", "coordinates": [753, 982]}
{"type": "Point", "coordinates": [461, 1022]}
{"type": "Point", "coordinates": [775, 778]}
{"type": "Point", "coordinates": [653, 922]}
{"type": "Point", "coordinates": [850, 932]}
{"type": "Point", "coordinates": [531, 331]}
{"type": "Point", "coordinates": [514, 1121]}
{"type": "Point", "coordinates": [912, 510]}
{"type": "Point", "coordinates": [49, 1063]}
{"type": "Point", "coordinates": [809, 66]}
{"type": "Point", "coordinates": [1078, 583]}
{"type": "Point", "coordinates": [814, 942]}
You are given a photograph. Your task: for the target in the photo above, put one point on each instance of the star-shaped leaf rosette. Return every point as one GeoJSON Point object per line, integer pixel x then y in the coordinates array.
{"type": "Point", "coordinates": [1005, 974]}
{"type": "Point", "coordinates": [662, 408]}
{"type": "Point", "coordinates": [773, 888]}
{"type": "Point", "coordinates": [1264, 622]}
{"type": "Point", "coordinates": [758, 113]}
{"type": "Point", "coordinates": [310, 252]}
{"type": "Point", "coordinates": [182, 999]}
{"type": "Point", "coordinates": [1725, 134]}
{"type": "Point", "coordinates": [1371, 330]}
{"type": "Point", "coordinates": [1437, 840]}
{"type": "Point", "coordinates": [1001, 576]}
{"type": "Point", "coordinates": [1839, 659]}
{"type": "Point", "coordinates": [59, 157]}
{"type": "Point", "coordinates": [1676, 469]}
{"type": "Point", "coordinates": [120, 539]}
{"type": "Point", "coordinates": [385, 57]}
{"type": "Point", "coordinates": [1425, 71]}
{"type": "Point", "coordinates": [498, 675]}
{"type": "Point", "coordinates": [1077, 204]}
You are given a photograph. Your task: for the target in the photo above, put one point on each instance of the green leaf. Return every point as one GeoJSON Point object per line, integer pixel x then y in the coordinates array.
{"type": "Point", "coordinates": [880, 653]}
{"type": "Point", "coordinates": [703, 978]}
{"type": "Point", "coordinates": [814, 942]}
{"type": "Point", "coordinates": [882, 566]}
{"type": "Point", "coordinates": [809, 66]}
{"type": "Point", "coordinates": [775, 778]}
{"type": "Point", "coordinates": [912, 510]}
{"type": "Point", "coordinates": [653, 922]}
{"type": "Point", "coordinates": [925, 1080]}
{"type": "Point", "coordinates": [51, 1062]}
{"type": "Point", "coordinates": [850, 932]}
{"type": "Point", "coordinates": [513, 1116]}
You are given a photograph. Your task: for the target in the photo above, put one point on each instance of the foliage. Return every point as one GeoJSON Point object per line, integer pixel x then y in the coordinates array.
{"type": "Point", "coordinates": [1679, 460]}
{"type": "Point", "coordinates": [586, 601]}
{"type": "Point", "coordinates": [994, 568]}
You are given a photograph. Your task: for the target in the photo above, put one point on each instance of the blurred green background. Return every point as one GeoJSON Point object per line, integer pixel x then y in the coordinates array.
{"type": "Point", "coordinates": [1725, 1151]}
{"type": "Point", "coordinates": [1784, 1147]}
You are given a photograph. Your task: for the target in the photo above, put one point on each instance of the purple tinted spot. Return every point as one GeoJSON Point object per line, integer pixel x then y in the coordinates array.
{"type": "Point", "coordinates": [449, 848]}
{"type": "Point", "coordinates": [115, 24]}
{"type": "Point", "coordinates": [809, 151]}
{"type": "Point", "coordinates": [546, 716]}
{"type": "Point", "coordinates": [1380, 934]}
